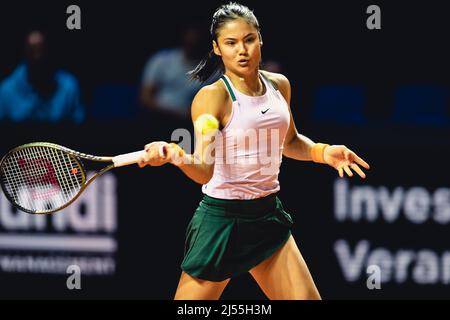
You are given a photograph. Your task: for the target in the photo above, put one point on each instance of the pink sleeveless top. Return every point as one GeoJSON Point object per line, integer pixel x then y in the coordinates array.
{"type": "Point", "coordinates": [249, 149]}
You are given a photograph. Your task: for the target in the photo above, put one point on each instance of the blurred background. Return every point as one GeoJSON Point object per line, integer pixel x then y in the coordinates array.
{"type": "Point", "coordinates": [117, 83]}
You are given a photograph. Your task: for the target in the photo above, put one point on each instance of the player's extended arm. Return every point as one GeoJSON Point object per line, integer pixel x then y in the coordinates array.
{"type": "Point", "coordinates": [300, 147]}
{"type": "Point", "coordinates": [198, 166]}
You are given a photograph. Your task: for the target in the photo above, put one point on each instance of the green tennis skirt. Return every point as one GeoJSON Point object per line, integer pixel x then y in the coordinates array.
{"type": "Point", "coordinates": [226, 238]}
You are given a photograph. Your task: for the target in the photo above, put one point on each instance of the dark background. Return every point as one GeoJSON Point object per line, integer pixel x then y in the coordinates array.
{"type": "Point", "coordinates": [319, 43]}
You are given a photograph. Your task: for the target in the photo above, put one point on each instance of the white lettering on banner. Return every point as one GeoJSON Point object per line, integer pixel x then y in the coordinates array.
{"type": "Point", "coordinates": [58, 242]}
{"type": "Point", "coordinates": [56, 264]}
{"type": "Point", "coordinates": [108, 194]}
{"type": "Point", "coordinates": [418, 205]}
{"type": "Point", "coordinates": [441, 201]}
{"type": "Point", "coordinates": [423, 266]}
{"type": "Point", "coordinates": [85, 226]}
{"type": "Point", "coordinates": [351, 264]}
{"type": "Point", "coordinates": [94, 211]}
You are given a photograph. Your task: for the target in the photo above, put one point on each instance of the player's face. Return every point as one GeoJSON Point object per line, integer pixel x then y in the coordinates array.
{"type": "Point", "coordinates": [239, 46]}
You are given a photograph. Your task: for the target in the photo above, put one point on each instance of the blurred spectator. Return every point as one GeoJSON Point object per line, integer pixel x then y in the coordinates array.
{"type": "Point", "coordinates": [165, 85]}
{"type": "Point", "coordinates": [272, 66]}
{"type": "Point", "coordinates": [37, 91]}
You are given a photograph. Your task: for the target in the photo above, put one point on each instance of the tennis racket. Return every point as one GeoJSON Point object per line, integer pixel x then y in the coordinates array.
{"type": "Point", "coordinates": [44, 177]}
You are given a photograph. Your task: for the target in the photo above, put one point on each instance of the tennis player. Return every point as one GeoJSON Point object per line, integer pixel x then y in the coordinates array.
{"type": "Point", "coordinates": [240, 225]}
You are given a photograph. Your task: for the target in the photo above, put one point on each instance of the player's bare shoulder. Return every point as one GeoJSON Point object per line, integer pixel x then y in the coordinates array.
{"type": "Point", "coordinates": [281, 82]}
{"type": "Point", "coordinates": [279, 79]}
{"type": "Point", "coordinates": [211, 99]}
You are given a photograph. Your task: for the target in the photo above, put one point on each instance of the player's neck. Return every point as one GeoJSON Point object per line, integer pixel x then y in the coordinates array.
{"type": "Point", "coordinates": [250, 84]}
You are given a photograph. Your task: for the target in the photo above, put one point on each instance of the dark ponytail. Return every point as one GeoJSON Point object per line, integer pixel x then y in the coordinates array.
{"type": "Point", "coordinates": [207, 67]}
{"type": "Point", "coordinates": [212, 63]}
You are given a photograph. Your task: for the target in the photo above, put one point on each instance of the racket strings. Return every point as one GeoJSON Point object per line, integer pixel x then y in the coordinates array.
{"type": "Point", "coordinates": [41, 179]}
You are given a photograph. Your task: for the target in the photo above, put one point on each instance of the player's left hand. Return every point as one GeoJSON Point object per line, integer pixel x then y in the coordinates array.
{"type": "Point", "coordinates": [343, 159]}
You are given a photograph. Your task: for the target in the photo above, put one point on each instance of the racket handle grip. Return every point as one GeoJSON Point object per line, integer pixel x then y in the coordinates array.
{"type": "Point", "coordinates": [127, 158]}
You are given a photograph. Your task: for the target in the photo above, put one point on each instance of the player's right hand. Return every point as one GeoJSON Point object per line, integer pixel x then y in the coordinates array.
{"type": "Point", "coordinates": [155, 154]}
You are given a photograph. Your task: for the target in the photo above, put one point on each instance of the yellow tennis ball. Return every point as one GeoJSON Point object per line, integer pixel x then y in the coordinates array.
{"type": "Point", "coordinates": [206, 123]}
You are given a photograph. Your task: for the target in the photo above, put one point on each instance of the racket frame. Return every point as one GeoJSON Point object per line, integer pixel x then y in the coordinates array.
{"type": "Point", "coordinates": [75, 156]}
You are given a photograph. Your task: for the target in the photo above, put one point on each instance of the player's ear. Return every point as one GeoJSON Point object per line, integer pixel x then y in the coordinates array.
{"type": "Point", "coordinates": [260, 39]}
{"type": "Point", "coordinates": [216, 48]}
